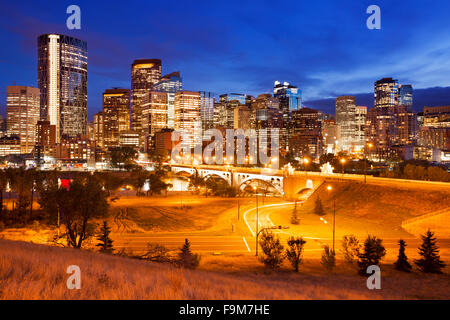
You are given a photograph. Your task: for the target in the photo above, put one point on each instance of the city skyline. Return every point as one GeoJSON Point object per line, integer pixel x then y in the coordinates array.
{"type": "Point", "coordinates": [216, 61]}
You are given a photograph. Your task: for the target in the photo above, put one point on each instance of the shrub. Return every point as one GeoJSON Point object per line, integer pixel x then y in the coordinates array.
{"type": "Point", "coordinates": [294, 251]}
{"type": "Point", "coordinates": [272, 248]}
{"type": "Point", "coordinates": [350, 248]}
{"type": "Point", "coordinates": [156, 253]}
{"type": "Point", "coordinates": [318, 207]}
{"type": "Point", "coordinates": [328, 258]}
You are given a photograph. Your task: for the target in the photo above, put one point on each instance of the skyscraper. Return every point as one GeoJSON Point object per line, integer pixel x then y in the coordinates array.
{"type": "Point", "coordinates": [22, 107]}
{"type": "Point", "coordinates": [154, 115]}
{"type": "Point", "coordinates": [187, 115]}
{"type": "Point", "coordinates": [116, 115]}
{"type": "Point", "coordinates": [98, 128]}
{"type": "Point", "coordinates": [170, 83]}
{"type": "Point", "coordinates": [207, 110]}
{"type": "Point", "coordinates": [306, 139]}
{"type": "Point", "coordinates": [346, 120]}
{"type": "Point", "coordinates": [144, 74]}
{"type": "Point", "coordinates": [62, 80]}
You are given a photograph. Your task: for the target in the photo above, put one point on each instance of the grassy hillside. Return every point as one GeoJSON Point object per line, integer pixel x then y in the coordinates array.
{"type": "Point", "coordinates": [29, 271]}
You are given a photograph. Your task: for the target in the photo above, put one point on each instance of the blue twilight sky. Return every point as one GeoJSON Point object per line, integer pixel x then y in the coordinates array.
{"type": "Point", "coordinates": [322, 46]}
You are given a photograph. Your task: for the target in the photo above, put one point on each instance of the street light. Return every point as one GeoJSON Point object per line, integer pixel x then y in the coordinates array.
{"type": "Point", "coordinates": [370, 145]}
{"type": "Point", "coordinates": [330, 188]}
{"type": "Point", "coordinates": [267, 228]}
{"type": "Point", "coordinates": [305, 164]}
{"type": "Point", "coordinates": [257, 218]}
{"type": "Point", "coordinates": [343, 161]}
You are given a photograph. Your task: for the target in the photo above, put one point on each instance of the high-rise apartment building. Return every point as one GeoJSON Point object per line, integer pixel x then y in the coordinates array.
{"type": "Point", "coordinates": [116, 115]}
{"type": "Point", "coordinates": [187, 115]}
{"type": "Point", "coordinates": [360, 124]}
{"type": "Point", "coordinates": [22, 108]}
{"type": "Point", "coordinates": [62, 80]}
{"type": "Point", "coordinates": [144, 74]}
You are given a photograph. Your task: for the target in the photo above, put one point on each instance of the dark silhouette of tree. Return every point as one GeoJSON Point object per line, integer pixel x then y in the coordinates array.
{"type": "Point", "coordinates": [328, 260]}
{"type": "Point", "coordinates": [75, 207]}
{"type": "Point", "coordinates": [294, 251]}
{"type": "Point", "coordinates": [350, 248]}
{"type": "Point", "coordinates": [372, 254]}
{"type": "Point", "coordinates": [3, 185]}
{"type": "Point", "coordinates": [430, 261]}
{"type": "Point", "coordinates": [272, 250]}
{"type": "Point", "coordinates": [402, 263]}
{"type": "Point", "coordinates": [318, 207]}
{"type": "Point", "coordinates": [110, 181]}
{"type": "Point", "coordinates": [156, 253]}
{"type": "Point", "coordinates": [123, 157]}
{"type": "Point", "coordinates": [105, 242]}
{"type": "Point", "coordinates": [186, 258]}
{"type": "Point", "coordinates": [294, 217]}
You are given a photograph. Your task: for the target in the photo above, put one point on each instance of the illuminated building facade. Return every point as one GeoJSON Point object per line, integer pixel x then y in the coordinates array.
{"type": "Point", "coordinates": [98, 129]}
{"type": "Point", "coordinates": [116, 115]}
{"type": "Point", "coordinates": [170, 84]}
{"type": "Point", "coordinates": [154, 115]}
{"type": "Point", "coordinates": [62, 80]}
{"type": "Point", "coordinates": [187, 114]}
{"type": "Point", "coordinates": [144, 74]}
{"type": "Point", "coordinates": [207, 110]}
{"type": "Point", "coordinates": [346, 120]}
{"type": "Point", "coordinates": [22, 108]}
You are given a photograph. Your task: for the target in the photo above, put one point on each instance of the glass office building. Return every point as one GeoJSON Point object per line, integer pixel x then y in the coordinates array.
{"type": "Point", "coordinates": [62, 81]}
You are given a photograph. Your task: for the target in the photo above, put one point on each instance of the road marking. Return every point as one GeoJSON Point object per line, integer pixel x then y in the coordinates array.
{"type": "Point", "coordinates": [245, 241]}
{"type": "Point", "coordinates": [262, 207]}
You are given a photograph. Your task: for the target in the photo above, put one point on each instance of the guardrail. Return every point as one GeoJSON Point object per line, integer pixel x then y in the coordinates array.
{"type": "Point", "coordinates": [424, 217]}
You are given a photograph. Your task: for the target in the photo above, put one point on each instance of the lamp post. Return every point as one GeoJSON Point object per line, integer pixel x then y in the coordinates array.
{"type": "Point", "coordinates": [343, 161]}
{"type": "Point", "coordinates": [370, 145]}
{"type": "Point", "coordinates": [305, 164]}
{"type": "Point", "coordinates": [334, 215]}
{"type": "Point", "coordinates": [257, 218]}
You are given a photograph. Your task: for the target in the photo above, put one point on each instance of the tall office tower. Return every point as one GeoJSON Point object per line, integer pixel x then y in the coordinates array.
{"type": "Point", "coordinates": [306, 139]}
{"type": "Point", "coordinates": [207, 110]}
{"type": "Point", "coordinates": [144, 74]}
{"type": "Point", "coordinates": [233, 97]}
{"type": "Point", "coordinates": [405, 95]}
{"type": "Point", "coordinates": [154, 115]}
{"type": "Point", "coordinates": [435, 132]}
{"type": "Point", "coordinates": [22, 107]}
{"type": "Point", "coordinates": [331, 136]}
{"type": "Point", "coordinates": [170, 84]}
{"type": "Point", "coordinates": [242, 117]}
{"type": "Point", "coordinates": [62, 80]}
{"type": "Point", "coordinates": [187, 115]}
{"type": "Point", "coordinates": [392, 122]}
{"type": "Point", "coordinates": [290, 98]}
{"type": "Point", "coordinates": [346, 120]}
{"type": "Point", "coordinates": [116, 115]}
{"type": "Point", "coordinates": [98, 128]}
{"type": "Point", "coordinates": [360, 127]}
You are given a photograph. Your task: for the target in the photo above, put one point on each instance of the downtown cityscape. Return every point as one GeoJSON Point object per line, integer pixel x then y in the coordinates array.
{"type": "Point", "coordinates": [162, 183]}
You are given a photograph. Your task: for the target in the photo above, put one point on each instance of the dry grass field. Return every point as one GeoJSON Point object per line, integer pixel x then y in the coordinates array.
{"type": "Point", "coordinates": [30, 271]}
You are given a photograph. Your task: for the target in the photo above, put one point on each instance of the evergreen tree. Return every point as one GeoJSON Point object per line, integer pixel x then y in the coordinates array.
{"type": "Point", "coordinates": [373, 252]}
{"type": "Point", "coordinates": [294, 217]}
{"type": "Point", "coordinates": [350, 248]}
{"type": "Point", "coordinates": [429, 251]}
{"type": "Point", "coordinates": [187, 259]}
{"type": "Point", "coordinates": [318, 208]}
{"type": "Point", "coordinates": [402, 263]}
{"type": "Point", "coordinates": [106, 244]}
